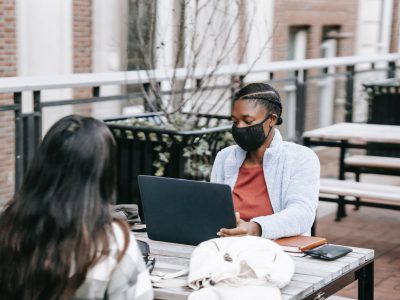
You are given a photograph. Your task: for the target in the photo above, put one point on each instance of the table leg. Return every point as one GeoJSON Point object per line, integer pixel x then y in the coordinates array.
{"type": "Point", "coordinates": [341, 160]}
{"type": "Point", "coordinates": [366, 282]}
{"type": "Point", "coordinates": [341, 211]}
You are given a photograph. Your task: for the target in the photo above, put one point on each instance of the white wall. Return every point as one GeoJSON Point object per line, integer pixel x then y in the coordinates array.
{"type": "Point", "coordinates": [374, 26]}
{"type": "Point", "coordinates": [289, 97]}
{"type": "Point", "coordinates": [373, 37]}
{"type": "Point", "coordinates": [219, 23]}
{"type": "Point", "coordinates": [164, 48]}
{"type": "Point", "coordinates": [109, 43]}
{"type": "Point", "coordinates": [259, 49]}
{"type": "Point", "coordinates": [164, 40]}
{"type": "Point", "coordinates": [327, 86]}
{"type": "Point", "coordinates": [213, 24]}
{"type": "Point", "coordinates": [44, 46]}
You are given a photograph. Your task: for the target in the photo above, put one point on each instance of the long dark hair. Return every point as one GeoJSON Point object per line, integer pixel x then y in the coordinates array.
{"type": "Point", "coordinates": [58, 225]}
{"type": "Point", "coordinates": [263, 94]}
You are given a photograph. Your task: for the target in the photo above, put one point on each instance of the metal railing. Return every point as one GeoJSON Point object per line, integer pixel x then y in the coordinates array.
{"type": "Point", "coordinates": [28, 127]}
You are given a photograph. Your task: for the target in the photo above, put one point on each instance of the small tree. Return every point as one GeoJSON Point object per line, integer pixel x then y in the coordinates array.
{"type": "Point", "coordinates": [191, 41]}
{"type": "Point", "coordinates": [206, 35]}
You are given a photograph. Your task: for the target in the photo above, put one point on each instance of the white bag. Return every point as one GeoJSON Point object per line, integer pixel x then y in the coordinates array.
{"type": "Point", "coordinates": [245, 267]}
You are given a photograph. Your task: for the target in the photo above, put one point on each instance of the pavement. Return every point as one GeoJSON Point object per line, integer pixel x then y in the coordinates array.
{"type": "Point", "coordinates": [368, 227]}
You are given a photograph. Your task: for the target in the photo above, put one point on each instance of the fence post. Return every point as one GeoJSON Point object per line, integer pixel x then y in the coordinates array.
{"type": "Point", "coordinates": [96, 91]}
{"type": "Point", "coordinates": [37, 109]}
{"type": "Point", "coordinates": [271, 76]}
{"type": "Point", "coordinates": [301, 92]}
{"type": "Point", "coordinates": [391, 69]}
{"type": "Point", "coordinates": [19, 162]}
{"type": "Point", "coordinates": [349, 93]}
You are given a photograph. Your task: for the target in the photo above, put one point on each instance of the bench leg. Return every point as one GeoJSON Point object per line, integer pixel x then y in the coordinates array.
{"type": "Point", "coordinates": [357, 202]}
{"type": "Point", "coordinates": [341, 210]}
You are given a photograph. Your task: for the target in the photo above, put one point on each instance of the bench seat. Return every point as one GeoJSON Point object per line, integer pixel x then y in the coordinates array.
{"type": "Point", "coordinates": [362, 190]}
{"type": "Point", "coordinates": [372, 164]}
{"type": "Point", "coordinates": [359, 194]}
{"type": "Point", "coordinates": [373, 161]}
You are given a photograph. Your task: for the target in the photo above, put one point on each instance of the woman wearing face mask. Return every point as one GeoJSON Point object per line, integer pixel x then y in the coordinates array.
{"type": "Point", "coordinates": [275, 184]}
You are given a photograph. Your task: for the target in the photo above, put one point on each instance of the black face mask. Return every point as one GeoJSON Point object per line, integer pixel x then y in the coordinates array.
{"type": "Point", "coordinates": [251, 137]}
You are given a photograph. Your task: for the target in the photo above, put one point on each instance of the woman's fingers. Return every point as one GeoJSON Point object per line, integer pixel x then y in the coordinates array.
{"type": "Point", "coordinates": [238, 231]}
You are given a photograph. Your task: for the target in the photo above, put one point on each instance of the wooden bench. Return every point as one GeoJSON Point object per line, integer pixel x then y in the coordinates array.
{"type": "Point", "coordinates": [371, 193]}
{"type": "Point", "coordinates": [359, 164]}
{"type": "Point", "coordinates": [368, 194]}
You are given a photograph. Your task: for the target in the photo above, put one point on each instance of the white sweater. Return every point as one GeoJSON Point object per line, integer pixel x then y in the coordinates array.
{"type": "Point", "coordinates": [291, 173]}
{"type": "Point", "coordinates": [108, 279]}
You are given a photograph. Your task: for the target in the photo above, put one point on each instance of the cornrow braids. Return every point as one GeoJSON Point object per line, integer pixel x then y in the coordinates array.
{"type": "Point", "coordinates": [263, 94]}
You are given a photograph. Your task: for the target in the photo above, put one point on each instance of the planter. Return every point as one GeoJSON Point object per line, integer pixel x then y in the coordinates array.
{"type": "Point", "coordinates": [154, 150]}
{"type": "Point", "coordinates": [383, 101]}
{"type": "Point", "coordinates": [383, 108]}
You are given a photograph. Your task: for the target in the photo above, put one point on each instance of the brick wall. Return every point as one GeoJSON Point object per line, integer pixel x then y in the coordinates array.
{"type": "Point", "coordinates": [314, 15]}
{"type": "Point", "coordinates": [395, 27]}
{"type": "Point", "coordinates": [82, 48]}
{"type": "Point", "coordinates": [7, 68]}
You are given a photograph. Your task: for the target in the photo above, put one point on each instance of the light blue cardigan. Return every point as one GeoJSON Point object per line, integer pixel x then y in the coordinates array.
{"type": "Point", "coordinates": [291, 172]}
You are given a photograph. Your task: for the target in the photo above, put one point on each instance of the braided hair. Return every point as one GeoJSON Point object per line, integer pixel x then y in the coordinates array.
{"type": "Point", "coordinates": [263, 94]}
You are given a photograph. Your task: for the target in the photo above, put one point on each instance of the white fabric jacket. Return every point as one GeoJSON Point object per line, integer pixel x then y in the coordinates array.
{"type": "Point", "coordinates": [246, 267]}
{"type": "Point", "coordinates": [108, 279]}
{"type": "Point", "coordinates": [291, 173]}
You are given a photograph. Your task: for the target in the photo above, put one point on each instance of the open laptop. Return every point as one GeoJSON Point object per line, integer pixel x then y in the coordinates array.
{"type": "Point", "coordinates": [185, 211]}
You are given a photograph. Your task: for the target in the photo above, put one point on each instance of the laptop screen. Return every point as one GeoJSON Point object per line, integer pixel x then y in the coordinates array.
{"type": "Point", "coordinates": [185, 211]}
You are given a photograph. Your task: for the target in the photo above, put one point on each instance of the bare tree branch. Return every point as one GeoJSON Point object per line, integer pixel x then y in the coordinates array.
{"type": "Point", "coordinates": [223, 53]}
{"type": "Point", "coordinates": [226, 25]}
{"type": "Point", "coordinates": [267, 41]}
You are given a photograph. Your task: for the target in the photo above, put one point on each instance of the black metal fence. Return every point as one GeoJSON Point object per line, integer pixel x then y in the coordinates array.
{"type": "Point", "coordinates": [28, 127]}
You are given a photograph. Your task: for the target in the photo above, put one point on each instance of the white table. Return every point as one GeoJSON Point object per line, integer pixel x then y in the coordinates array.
{"type": "Point", "coordinates": [355, 133]}
{"type": "Point", "coordinates": [313, 278]}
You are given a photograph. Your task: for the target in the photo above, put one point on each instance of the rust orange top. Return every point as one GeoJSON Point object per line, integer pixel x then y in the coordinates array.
{"type": "Point", "coordinates": [250, 194]}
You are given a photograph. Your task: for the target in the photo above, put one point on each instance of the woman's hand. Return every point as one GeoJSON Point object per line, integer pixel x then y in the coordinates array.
{"type": "Point", "coordinates": [242, 228]}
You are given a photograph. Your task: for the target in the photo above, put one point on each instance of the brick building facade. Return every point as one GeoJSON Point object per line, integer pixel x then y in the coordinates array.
{"type": "Point", "coordinates": [394, 42]}
{"type": "Point", "coordinates": [313, 15]}
{"type": "Point", "coordinates": [82, 48]}
{"type": "Point", "coordinates": [82, 63]}
{"type": "Point", "coordinates": [8, 67]}
{"type": "Point", "coordinates": [316, 17]}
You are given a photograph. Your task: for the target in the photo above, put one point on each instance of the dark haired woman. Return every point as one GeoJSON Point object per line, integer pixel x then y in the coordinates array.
{"type": "Point", "coordinates": [57, 238]}
{"type": "Point", "coordinates": [275, 184]}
